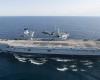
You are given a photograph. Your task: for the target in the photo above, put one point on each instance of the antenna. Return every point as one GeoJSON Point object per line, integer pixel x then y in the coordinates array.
{"type": "Point", "coordinates": [55, 28]}
{"type": "Point", "coordinates": [58, 31]}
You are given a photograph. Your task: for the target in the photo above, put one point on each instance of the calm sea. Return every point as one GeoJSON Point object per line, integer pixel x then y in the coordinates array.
{"type": "Point", "coordinates": [14, 67]}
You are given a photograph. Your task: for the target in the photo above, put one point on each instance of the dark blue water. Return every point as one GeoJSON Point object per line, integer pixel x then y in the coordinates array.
{"type": "Point", "coordinates": [14, 67]}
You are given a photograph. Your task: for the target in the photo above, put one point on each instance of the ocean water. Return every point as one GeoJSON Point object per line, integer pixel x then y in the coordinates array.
{"type": "Point", "coordinates": [15, 67]}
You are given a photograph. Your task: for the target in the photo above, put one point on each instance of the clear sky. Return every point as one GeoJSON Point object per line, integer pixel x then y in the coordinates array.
{"type": "Point", "coordinates": [49, 7]}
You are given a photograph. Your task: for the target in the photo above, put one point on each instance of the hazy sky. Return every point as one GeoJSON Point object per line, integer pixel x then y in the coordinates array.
{"type": "Point", "coordinates": [49, 7]}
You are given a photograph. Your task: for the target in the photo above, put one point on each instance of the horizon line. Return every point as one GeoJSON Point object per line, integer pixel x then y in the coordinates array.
{"type": "Point", "coordinates": [46, 16]}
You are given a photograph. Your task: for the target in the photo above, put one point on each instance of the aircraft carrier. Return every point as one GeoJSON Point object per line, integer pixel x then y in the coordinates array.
{"type": "Point", "coordinates": [58, 45]}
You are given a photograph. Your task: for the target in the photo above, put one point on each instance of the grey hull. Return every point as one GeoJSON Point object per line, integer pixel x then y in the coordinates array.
{"type": "Point", "coordinates": [55, 51]}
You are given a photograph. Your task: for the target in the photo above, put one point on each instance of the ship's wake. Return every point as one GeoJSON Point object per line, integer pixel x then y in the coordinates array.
{"type": "Point", "coordinates": [61, 64]}
{"type": "Point", "coordinates": [62, 68]}
{"type": "Point", "coordinates": [36, 62]}
{"type": "Point", "coordinates": [31, 59]}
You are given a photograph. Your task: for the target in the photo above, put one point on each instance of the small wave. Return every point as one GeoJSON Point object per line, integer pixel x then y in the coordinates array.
{"type": "Point", "coordinates": [75, 70]}
{"type": "Point", "coordinates": [72, 66]}
{"type": "Point", "coordinates": [62, 60]}
{"type": "Point", "coordinates": [37, 62]}
{"type": "Point", "coordinates": [82, 70]}
{"type": "Point", "coordinates": [88, 63]}
{"type": "Point", "coordinates": [20, 58]}
{"type": "Point", "coordinates": [90, 66]}
{"type": "Point", "coordinates": [62, 69]}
